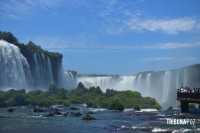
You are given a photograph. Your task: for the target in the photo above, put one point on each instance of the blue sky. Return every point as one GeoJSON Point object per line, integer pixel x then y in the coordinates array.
{"type": "Point", "coordinates": [109, 36]}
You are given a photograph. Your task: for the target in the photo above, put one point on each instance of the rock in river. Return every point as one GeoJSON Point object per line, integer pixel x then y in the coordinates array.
{"type": "Point", "coordinates": [88, 117]}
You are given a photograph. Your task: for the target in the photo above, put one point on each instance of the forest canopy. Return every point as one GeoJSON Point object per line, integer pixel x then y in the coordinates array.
{"type": "Point", "coordinates": [93, 97]}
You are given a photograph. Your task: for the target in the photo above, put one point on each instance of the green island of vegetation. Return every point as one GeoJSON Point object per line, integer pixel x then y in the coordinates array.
{"type": "Point", "coordinates": [93, 97]}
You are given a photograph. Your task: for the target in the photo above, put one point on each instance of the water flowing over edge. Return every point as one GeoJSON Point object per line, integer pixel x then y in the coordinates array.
{"type": "Point", "coordinates": [40, 71]}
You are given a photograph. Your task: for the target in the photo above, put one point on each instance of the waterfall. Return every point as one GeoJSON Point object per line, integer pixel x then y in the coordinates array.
{"type": "Point", "coordinates": [43, 76]}
{"type": "Point", "coordinates": [103, 82]}
{"type": "Point", "coordinates": [28, 69]}
{"type": "Point", "coordinates": [111, 82]}
{"type": "Point", "coordinates": [166, 86]}
{"type": "Point", "coordinates": [12, 67]}
{"type": "Point", "coordinates": [37, 72]}
{"type": "Point", "coordinates": [139, 82]}
{"type": "Point", "coordinates": [177, 80]}
{"type": "Point", "coordinates": [70, 79]}
{"type": "Point", "coordinates": [148, 84]}
{"type": "Point", "coordinates": [49, 71]}
{"type": "Point", "coordinates": [160, 85]}
{"type": "Point", "coordinates": [185, 78]}
{"type": "Point", "coordinates": [126, 83]}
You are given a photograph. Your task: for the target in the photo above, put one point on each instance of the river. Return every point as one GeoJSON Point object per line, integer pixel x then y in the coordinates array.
{"type": "Point", "coordinates": [22, 120]}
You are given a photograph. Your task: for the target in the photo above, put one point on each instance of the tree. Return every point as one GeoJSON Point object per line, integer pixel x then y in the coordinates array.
{"type": "Point", "coordinates": [116, 105]}
{"type": "Point", "coordinates": [2, 102]}
{"type": "Point", "coordinates": [80, 90]}
{"type": "Point", "coordinates": [8, 36]}
{"type": "Point", "coordinates": [80, 84]}
{"type": "Point", "coordinates": [110, 92]}
{"type": "Point", "coordinates": [95, 90]}
{"type": "Point", "coordinates": [32, 46]}
{"type": "Point", "coordinates": [136, 107]}
{"type": "Point", "coordinates": [20, 99]}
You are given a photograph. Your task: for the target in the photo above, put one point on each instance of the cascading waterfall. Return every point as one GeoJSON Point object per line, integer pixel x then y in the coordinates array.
{"type": "Point", "coordinates": [28, 70]}
{"type": "Point", "coordinates": [38, 71]}
{"type": "Point", "coordinates": [49, 71]}
{"type": "Point", "coordinates": [61, 78]}
{"type": "Point", "coordinates": [139, 82]}
{"type": "Point", "coordinates": [185, 78]}
{"type": "Point", "coordinates": [148, 87]}
{"type": "Point", "coordinates": [43, 72]}
{"type": "Point", "coordinates": [111, 82]}
{"type": "Point", "coordinates": [12, 67]}
{"type": "Point", "coordinates": [166, 86]}
{"type": "Point", "coordinates": [177, 80]}
{"type": "Point", "coordinates": [70, 79]}
{"type": "Point", "coordinates": [126, 83]}
{"type": "Point", "coordinates": [161, 85]}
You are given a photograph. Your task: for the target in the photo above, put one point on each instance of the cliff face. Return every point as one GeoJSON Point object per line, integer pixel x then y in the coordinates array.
{"type": "Point", "coordinates": [43, 68]}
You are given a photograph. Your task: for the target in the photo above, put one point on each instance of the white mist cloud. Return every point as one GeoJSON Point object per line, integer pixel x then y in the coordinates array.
{"type": "Point", "coordinates": [173, 45]}
{"type": "Point", "coordinates": [18, 9]}
{"type": "Point", "coordinates": [169, 26]}
{"type": "Point", "coordinates": [170, 59]}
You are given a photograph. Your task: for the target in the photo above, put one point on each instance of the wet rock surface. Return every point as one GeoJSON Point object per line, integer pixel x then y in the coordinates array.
{"type": "Point", "coordinates": [88, 117]}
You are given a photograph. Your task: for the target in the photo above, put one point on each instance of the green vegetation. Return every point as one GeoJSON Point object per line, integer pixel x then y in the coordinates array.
{"type": "Point", "coordinates": [93, 97]}
{"type": "Point", "coordinates": [137, 107]}
{"type": "Point", "coordinates": [29, 47]}
{"type": "Point", "coordinates": [170, 108]}
{"type": "Point", "coordinates": [191, 105]}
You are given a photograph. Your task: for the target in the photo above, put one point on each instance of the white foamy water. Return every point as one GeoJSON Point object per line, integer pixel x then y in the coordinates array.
{"type": "Point", "coordinates": [97, 109]}
{"type": "Point", "coordinates": [12, 67]}
{"type": "Point", "coordinates": [128, 109]}
{"type": "Point", "coordinates": [155, 130]}
{"type": "Point", "coordinates": [147, 110]}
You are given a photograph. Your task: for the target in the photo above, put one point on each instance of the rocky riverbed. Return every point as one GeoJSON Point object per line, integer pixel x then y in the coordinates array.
{"type": "Point", "coordinates": [81, 119]}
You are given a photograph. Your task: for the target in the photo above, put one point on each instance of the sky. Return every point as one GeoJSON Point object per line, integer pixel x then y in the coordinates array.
{"type": "Point", "coordinates": [109, 36]}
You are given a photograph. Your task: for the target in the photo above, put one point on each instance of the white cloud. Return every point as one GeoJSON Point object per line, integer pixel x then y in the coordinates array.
{"type": "Point", "coordinates": [170, 59]}
{"type": "Point", "coordinates": [173, 45]}
{"type": "Point", "coordinates": [169, 26]}
{"type": "Point", "coordinates": [120, 18]}
{"type": "Point", "coordinates": [17, 9]}
{"type": "Point", "coordinates": [83, 44]}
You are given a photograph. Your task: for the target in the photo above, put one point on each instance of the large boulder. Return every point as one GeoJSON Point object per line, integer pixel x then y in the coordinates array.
{"type": "Point", "coordinates": [10, 110]}
{"type": "Point", "coordinates": [88, 117]}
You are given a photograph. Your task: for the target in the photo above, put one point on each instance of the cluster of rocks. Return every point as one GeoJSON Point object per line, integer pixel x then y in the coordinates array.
{"type": "Point", "coordinates": [38, 110]}
{"type": "Point", "coordinates": [55, 111]}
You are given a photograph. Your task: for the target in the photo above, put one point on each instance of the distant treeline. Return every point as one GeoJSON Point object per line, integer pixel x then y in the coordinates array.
{"type": "Point", "coordinates": [93, 97]}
